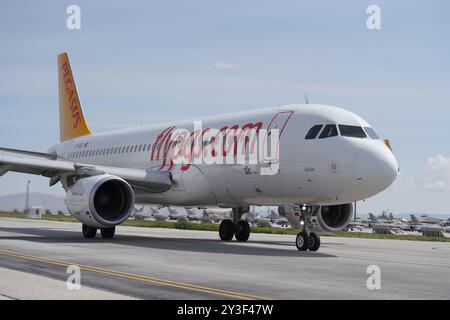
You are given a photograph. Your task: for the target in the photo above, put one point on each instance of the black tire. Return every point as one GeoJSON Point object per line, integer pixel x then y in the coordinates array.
{"type": "Point", "coordinates": [242, 231]}
{"type": "Point", "coordinates": [108, 233]}
{"type": "Point", "coordinates": [302, 241]}
{"type": "Point", "coordinates": [89, 232]}
{"type": "Point", "coordinates": [314, 241]}
{"type": "Point", "coordinates": [226, 230]}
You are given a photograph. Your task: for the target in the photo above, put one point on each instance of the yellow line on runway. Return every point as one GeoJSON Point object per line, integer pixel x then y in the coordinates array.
{"type": "Point", "coordinates": [147, 279]}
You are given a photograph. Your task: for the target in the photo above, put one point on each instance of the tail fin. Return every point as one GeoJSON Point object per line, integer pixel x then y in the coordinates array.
{"type": "Point", "coordinates": [71, 120]}
{"type": "Point", "coordinates": [373, 218]}
{"type": "Point", "coordinates": [414, 219]}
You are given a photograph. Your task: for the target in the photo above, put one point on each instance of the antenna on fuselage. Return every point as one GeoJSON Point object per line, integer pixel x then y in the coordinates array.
{"type": "Point", "coordinates": [306, 99]}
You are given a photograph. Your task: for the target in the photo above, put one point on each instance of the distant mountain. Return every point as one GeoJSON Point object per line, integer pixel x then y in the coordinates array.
{"type": "Point", "coordinates": [46, 201]}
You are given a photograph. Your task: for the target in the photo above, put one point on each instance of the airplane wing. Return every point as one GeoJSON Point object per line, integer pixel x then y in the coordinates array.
{"type": "Point", "coordinates": [60, 170]}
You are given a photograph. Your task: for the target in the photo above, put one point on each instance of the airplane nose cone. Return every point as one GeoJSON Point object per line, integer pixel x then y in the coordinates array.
{"type": "Point", "coordinates": [375, 168]}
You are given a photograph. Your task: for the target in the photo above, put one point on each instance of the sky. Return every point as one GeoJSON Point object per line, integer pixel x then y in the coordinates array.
{"type": "Point", "coordinates": [142, 62]}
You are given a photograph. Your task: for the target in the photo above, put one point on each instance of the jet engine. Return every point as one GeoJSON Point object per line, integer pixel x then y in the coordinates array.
{"type": "Point", "coordinates": [334, 218]}
{"type": "Point", "coordinates": [325, 218]}
{"type": "Point", "coordinates": [100, 201]}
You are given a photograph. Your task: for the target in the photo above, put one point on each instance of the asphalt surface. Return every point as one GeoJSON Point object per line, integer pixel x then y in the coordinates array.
{"type": "Point", "coordinates": [179, 264]}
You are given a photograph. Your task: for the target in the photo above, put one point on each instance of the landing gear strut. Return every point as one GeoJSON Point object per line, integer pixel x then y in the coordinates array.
{"type": "Point", "coordinates": [236, 227]}
{"type": "Point", "coordinates": [307, 240]}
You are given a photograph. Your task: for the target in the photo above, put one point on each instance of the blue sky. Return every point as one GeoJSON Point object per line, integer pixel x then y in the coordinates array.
{"type": "Point", "coordinates": [147, 61]}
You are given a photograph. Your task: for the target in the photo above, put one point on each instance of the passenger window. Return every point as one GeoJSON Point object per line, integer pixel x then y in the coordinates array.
{"type": "Point", "coordinates": [313, 132]}
{"type": "Point", "coordinates": [329, 131]}
{"type": "Point", "coordinates": [352, 131]}
{"type": "Point", "coordinates": [371, 133]}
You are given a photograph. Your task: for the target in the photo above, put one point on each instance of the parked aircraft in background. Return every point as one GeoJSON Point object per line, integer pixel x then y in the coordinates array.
{"type": "Point", "coordinates": [158, 214]}
{"type": "Point", "coordinates": [417, 225]}
{"type": "Point", "coordinates": [177, 213]}
{"type": "Point", "coordinates": [376, 223]}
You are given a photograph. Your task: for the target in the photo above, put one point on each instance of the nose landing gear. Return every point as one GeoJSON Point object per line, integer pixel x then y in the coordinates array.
{"type": "Point", "coordinates": [238, 228]}
{"type": "Point", "coordinates": [307, 240]}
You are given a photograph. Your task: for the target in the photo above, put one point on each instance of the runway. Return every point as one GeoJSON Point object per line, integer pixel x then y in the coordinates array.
{"type": "Point", "coordinates": [144, 263]}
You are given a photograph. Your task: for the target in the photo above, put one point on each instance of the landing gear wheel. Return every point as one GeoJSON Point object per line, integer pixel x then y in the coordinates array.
{"type": "Point", "coordinates": [242, 231]}
{"type": "Point", "coordinates": [314, 242]}
{"type": "Point", "coordinates": [89, 232]}
{"type": "Point", "coordinates": [108, 233]}
{"type": "Point", "coordinates": [226, 230]}
{"type": "Point", "coordinates": [302, 241]}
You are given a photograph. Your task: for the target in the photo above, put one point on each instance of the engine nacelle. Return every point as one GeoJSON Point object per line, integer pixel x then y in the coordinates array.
{"type": "Point", "coordinates": [334, 218]}
{"type": "Point", "coordinates": [326, 218]}
{"type": "Point", "coordinates": [100, 201]}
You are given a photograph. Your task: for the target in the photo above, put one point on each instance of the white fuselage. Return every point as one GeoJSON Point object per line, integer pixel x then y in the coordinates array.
{"type": "Point", "coordinates": [328, 171]}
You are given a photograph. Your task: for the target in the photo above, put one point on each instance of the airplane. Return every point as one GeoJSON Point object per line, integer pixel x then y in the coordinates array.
{"type": "Point", "coordinates": [273, 216]}
{"type": "Point", "coordinates": [215, 214]}
{"type": "Point", "coordinates": [175, 214]}
{"type": "Point", "coordinates": [445, 223]}
{"type": "Point", "coordinates": [354, 225]}
{"type": "Point", "coordinates": [417, 225]}
{"type": "Point", "coordinates": [325, 159]}
{"type": "Point", "coordinates": [157, 215]}
{"type": "Point", "coordinates": [376, 223]}
{"type": "Point", "coordinates": [193, 215]}
{"type": "Point", "coordinates": [138, 214]}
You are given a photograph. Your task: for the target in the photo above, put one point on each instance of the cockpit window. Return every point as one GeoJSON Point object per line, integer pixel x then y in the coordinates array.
{"type": "Point", "coordinates": [330, 130]}
{"type": "Point", "coordinates": [352, 131]}
{"type": "Point", "coordinates": [371, 133]}
{"type": "Point", "coordinates": [313, 132]}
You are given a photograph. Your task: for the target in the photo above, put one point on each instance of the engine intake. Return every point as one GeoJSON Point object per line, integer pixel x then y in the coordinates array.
{"type": "Point", "coordinates": [334, 218]}
{"type": "Point", "coordinates": [100, 201]}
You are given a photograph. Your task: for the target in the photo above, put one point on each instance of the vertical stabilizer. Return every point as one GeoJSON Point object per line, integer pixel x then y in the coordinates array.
{"type": "Point", "coordinates": [71, 120]}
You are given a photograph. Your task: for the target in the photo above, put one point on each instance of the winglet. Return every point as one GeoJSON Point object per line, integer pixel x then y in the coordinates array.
{"type": "Point", "coordinates": [388, 143]}
{"type": "Point", "coordinates": [72, 123]}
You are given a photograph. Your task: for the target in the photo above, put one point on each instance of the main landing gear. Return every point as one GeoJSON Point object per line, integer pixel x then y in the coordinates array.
{"type": "Point", "coordinates": [307, 240]}
{"type": "Point", "coordinates": [238, 228]}
{"type": "Point", "coordinates": [91, 232]}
